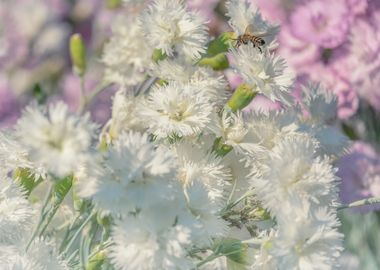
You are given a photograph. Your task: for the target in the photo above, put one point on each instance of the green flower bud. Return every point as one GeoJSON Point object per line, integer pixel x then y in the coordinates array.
{"type": "Point", "coordinates": [78, 54]}
{"type": "Point", "coordinates": [113, 4]}
{"type": "Point", "coordinates": [217, 62]}
{"type": "Point", "coordinates": [242, 96]}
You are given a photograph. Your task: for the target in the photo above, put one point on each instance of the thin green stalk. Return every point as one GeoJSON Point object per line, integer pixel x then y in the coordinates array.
{"type": "Point", "coordinates": [368, 201]}
{"type": "Point", "coordinates": [78, 231]}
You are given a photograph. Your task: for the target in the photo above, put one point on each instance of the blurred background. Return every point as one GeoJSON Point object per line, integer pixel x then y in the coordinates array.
{"type": "Point", "coordinates": [336, 43]}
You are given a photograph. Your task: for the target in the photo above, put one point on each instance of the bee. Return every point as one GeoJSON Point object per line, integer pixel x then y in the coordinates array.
{"type": "Point", "coordinates": [247, 37]}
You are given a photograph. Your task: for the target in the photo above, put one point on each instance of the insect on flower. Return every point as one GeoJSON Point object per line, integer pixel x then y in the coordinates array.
{"type": "Point", "coordinates": [248, 36]}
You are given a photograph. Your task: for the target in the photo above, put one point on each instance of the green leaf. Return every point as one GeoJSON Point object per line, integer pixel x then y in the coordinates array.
{"type": "Point", "coordinates": [59, 192]}
{"type": "Point", "coordinates": [233, 249]}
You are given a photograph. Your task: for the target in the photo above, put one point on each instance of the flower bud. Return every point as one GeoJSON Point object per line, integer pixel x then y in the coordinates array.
{"type": "Point", "coordinates": [242, 96]}
{"type": "Point", "coordinates": [78, 54]}
{"type": "Point", "coordinates": [113, 4]}
{"type": "Point", "coordinates": [217, 62]}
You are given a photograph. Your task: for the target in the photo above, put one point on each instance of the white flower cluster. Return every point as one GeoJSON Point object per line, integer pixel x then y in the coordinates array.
{"type": "Point", "coordinates": [181, 177]}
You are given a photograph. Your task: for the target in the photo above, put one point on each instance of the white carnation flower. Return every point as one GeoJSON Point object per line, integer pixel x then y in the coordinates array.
{"type": "Point", "coordinates": [308, 239]}
{"type": "Point", "coordinates": [126, 55]}
{"type": "Point", "coordinates": [242, 14]}
{"type": "Point", "coordinates": [13, 155]}
{"type": "Point", "coordinates": [295, 175]}
{"type": "Point", "coordinates": [134, 175]}
{"type": "Point", "coordinates": [55, 138]}
{"type": "Point", "coordinates": [267, 72]}
{"type": "Point", "coordinates": [213, 84]}
{"type": "Point", "coordinates": [206, 212]}
{"type": "Point", "coordinates": [41, 255]}
{"type": "Point", "coordinates": [140, 245]}
{"type": "Point", "coordinates": [170, 27]}
{"type": "Point", "coordinates": [176, 110]}
{"type": "Point", "coordinates": [124, 114]}
{"type": "Point", "coordinates": [262, 258]}
{"type": "Point", "coordinates": [16, 213]}
{"type": "Point", "coordinates": [197, 165]}
{"type": "Point", "coordinates": [236, 132]}
{"type": "Point", "coordinates": [320, 103]}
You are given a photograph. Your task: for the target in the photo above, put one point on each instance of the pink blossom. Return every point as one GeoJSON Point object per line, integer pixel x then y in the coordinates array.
{"type": "Point", "coordinates": [365, 57]}
{"type": "Point", "coordinates": [297, 52]}
{"type": "Point", "coordinates": [360, 174]}
{"type": "Point", "coordinates": [322, 22]}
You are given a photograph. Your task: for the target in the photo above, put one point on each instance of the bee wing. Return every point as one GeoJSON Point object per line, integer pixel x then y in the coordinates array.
{"type": "Point", "coordinates": [249, 29]}
{"type": "Point", "coordinates": [262, 34]}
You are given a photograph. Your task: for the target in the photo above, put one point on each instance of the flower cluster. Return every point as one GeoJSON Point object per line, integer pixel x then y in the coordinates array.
{"type": "Point", "coordinates": [180, 177]}
{"type": "Point", "coordinates": [337, 46]}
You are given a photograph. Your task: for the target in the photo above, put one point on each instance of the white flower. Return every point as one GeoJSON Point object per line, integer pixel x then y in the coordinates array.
{"type": "Point", "coordinates": [41, 255]}
{"type": "Point", "coordinates": [126, 55]}
{"type": "Point", "coordinates": [320, 103]}
{"type": "Point", "coordinates": [308, 239]}
{"type": "Point", "coordinates": [197, 165]}
{"type": "Point", "coordinates": [242, 14]}
{"type": "Point", "coordinates": [206, 212]}
{"type": "Point", "coordinates": [213, 84]}
{"type": "Point", "coordinates": [140, 245]}
{"type": "Point", "coordinates": [235, 131]}
{"type": "Point", "coordinates": [16, 213]}
{"type": "Point", "coordinates": [124, 114]}
{"type": "Point", "coordinates": [176, 110]}
{"type": "Point", "coordinates": [54, 138]}
{"type": "Point", "coordinates": [168, 26]}
{"type": "Point", "coordinates": [134, 175]}
{"type": "Point", "coordinates": [262, 259]}
{"type": "Point", "coordinates": [268, 73]}
{"type": "Point", "coordinates": [294, 176]}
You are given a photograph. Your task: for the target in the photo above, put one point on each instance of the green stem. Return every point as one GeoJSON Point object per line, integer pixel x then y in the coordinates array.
{"type": "Point", "coordinates": [78, 231]}
{"type": "Point", "coordinates": [363, 202]}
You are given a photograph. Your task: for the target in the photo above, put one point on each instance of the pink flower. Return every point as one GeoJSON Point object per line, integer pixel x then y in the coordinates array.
{"type": "Point", "coordinates": [360, 174]}
{"type": "Point", "coordinates": [297, 52]}
{"type": "Point", "coordinates": [365, 57]}
{"type": "Point", "coordinates": [322, 22]}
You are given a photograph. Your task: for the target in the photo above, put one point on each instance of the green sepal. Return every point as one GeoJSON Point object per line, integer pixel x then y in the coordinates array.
{"type": "Point", "coordinates": [220, 148]}
{"type": "Point", "coordinates": [158, 55]}
{"type": "Point", "coordinates": [96, 261]}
